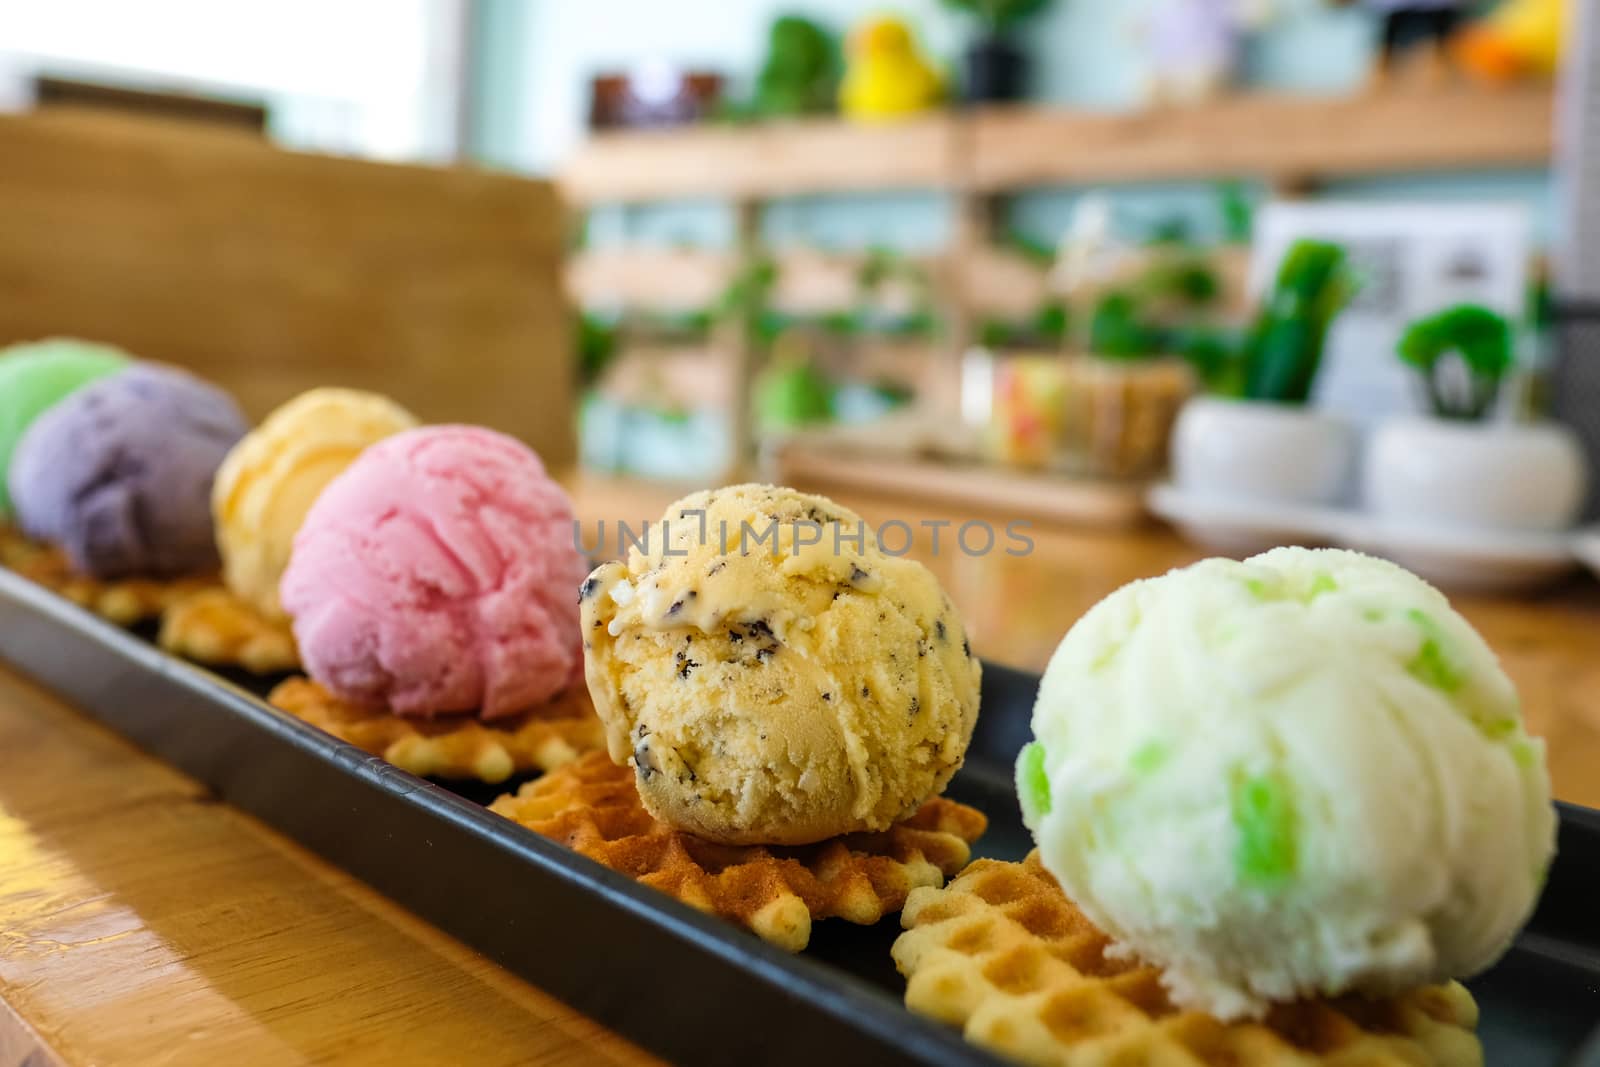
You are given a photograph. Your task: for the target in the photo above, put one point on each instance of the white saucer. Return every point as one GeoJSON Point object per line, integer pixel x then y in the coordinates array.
{"type": "Point", "coordinates": [1474, 560]}
{"type": "Point", "coordinates": [1242, 526]}
{"type": "Point", "coordinates": [1483, 561]}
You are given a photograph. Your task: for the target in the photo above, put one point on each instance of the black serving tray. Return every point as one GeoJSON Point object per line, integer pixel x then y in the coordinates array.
{"type": "Point", "coordinates": [686, 985]}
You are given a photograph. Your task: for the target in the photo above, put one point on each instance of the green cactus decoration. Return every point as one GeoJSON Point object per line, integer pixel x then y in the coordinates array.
{"type": "Point", "coordinates": [1284, 350]}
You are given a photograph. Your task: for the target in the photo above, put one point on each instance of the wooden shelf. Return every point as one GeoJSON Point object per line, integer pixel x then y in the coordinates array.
{"type": "Point", "coordinates": [1283, 138]}
{"type": "Point", "coordinates": [650, 279]}
{"type": "Point", "coordinates": [994, 150]}
{"type": "Point", "coordinates": [989, 280]}
{"type": "Point", "coordinates": [769, 160]}
{"type": "Point", "coordinates": [810, 281]}
{"type": "Point", "coordinates": [977, 155]}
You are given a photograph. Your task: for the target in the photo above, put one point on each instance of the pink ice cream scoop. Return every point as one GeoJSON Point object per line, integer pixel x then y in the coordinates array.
{"type": "Point", "coordinates": [438, 575]}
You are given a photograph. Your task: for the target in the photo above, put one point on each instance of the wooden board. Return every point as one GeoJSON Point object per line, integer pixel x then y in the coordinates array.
{"type": "Point", "coordinates": [966, 488]}
{"type": "Point", "coordinates": [768, 160]}
{"type": "Point", "coordinates": [271, 271]}
{"type": "Point", "coordinates": [1285, 139]}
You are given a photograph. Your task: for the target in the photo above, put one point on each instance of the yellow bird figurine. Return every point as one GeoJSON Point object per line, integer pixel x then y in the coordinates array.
{"type": "Point", "coordinates": [887, 77]}
{"type": "Point", "coordinates": [1520, 38]}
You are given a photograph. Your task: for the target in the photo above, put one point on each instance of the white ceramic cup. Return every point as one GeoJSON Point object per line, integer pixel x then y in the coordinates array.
{"type": "Point", "coordinates": [1259, 451]}
{"type": "Point", "coordinates": [1486, 475]}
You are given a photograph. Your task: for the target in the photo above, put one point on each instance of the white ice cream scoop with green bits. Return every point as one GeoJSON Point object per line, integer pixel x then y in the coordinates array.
{"type": "Point", "coordinates": [1301, 774]}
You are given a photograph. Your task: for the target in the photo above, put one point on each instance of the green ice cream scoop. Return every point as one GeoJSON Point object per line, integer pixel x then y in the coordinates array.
{"type": "Point", "coordinates": [34, 377]}
{"type": "Point", "coordinates": [1298, 775]}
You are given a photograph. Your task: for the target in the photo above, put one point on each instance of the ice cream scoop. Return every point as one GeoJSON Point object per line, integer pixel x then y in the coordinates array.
{"type": "Point", "coordinates": [36, 376]}
{"type": "Point", "coordinates": [272, 477]}
{"type": "Point", "coordinates": [772, 674]}
{"type": "Point", "coordinates": [119, 473]}
{"type": "Point", "coordinates": [438, 574]}
{"type": "Point", "coordinates": [1301, 774]}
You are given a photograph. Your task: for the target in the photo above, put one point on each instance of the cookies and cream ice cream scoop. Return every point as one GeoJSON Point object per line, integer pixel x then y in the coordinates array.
{"type": "Point", "coordinates": [1300, 774]}
{"type": "Point", "coordinates": [772, 674]}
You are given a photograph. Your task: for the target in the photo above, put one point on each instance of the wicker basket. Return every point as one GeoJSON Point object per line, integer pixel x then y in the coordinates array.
{"type": "Point", "coordinates": [1087, 416]}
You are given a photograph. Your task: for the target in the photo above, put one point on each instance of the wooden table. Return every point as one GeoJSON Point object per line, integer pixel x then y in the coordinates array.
{"type": "Point", "coordinates": [141, 922]}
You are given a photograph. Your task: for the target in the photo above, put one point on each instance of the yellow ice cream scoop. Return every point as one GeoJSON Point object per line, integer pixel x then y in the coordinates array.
{"type": "Point", "coordinates": [772, 674]}
{"type": "Point", "coordinates": [271, 478]}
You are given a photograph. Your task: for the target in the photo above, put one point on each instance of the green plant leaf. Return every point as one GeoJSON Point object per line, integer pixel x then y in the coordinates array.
{"type": "Point", "coordinates": [1284, 350]}
{"type": "Point", "coordinates": [1480, 339]}
{"type": "Point", "coordinates": [998, 15]}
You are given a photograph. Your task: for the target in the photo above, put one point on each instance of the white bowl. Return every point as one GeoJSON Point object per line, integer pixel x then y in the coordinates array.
{"type": "Point", "coordinates": [1250, 450]}
{"type": "Point", "coordinates": [1494, 476]}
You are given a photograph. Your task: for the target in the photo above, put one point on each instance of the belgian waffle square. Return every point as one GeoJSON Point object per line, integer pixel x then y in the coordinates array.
{"type": "Point", "coordinates": [459, 747]}
{"type": "Point", "coordinates": [215, 627]}
{"type": "Point", "coordinates": [592, 807]}
{"type": "Point", "coordinates": [1004, 954]}
{"type": "Point", "coordinates": [124, 601]}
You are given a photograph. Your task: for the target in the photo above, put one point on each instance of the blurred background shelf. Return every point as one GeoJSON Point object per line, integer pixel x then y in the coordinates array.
{"type": "Point", "coordinates": [769, 160]}
{"type": "Point", "coordinates": [1281, 138]}
{"type": "Point", "coordinates": [990, 279]}
{"type": "Point", "coordinates": [1286, 140]}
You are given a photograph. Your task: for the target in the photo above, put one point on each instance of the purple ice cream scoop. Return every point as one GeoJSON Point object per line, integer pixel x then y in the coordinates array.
{"type": "Point", "coordinates": [119, 473]}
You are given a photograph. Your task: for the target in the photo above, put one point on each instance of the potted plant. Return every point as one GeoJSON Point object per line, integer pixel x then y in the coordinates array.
{"type": "Point", "coordinates": [1458, 465]}
{"type": "Point", "coordinates": [1254, 437]}
{"type": "Point", "coordinates": [995, 68]}
{"type": "Point", "coordinates": [801, 73]}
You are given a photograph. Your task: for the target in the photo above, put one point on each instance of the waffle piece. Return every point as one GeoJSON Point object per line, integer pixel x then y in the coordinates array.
{"type": "Point", "coordinates": [592, 807]}
{"type": "Point", "coordinates": [124, 601]}
{"type": "Point", "coordinates": [457, 746]}
{"type": "Point", "coordinates": [215, 627]}
{"type": "Point", "coordinates": [15, 549]}
{"type": "Point", "coordinates": [1002, 953]}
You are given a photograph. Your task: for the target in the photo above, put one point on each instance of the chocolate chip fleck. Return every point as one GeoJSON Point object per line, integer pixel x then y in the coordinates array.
{"type": "Point", "coordinates": [686, 665]}
{"type": "Point", "coordinates": [677, 606]}
{"type": "Point", "coordinates": [735, 636]}
{"type": "Point", "coordinates": [586, 590]}
{"type": "Point", "coordinates": [827, 696]}
{"type": "Point", "coordinates": [938, 629]}
{"type": "Point", "coordinates": [715, 567]}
